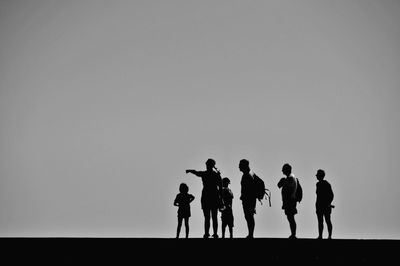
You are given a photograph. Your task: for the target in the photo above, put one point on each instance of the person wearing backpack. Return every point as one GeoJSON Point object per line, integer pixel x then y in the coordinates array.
{"type": "Point", "coordinates": [289, 185]}
{"type": "Point", "coordinates": [248, 196]}
{"type": "Point", "coordinates": [323, 203]}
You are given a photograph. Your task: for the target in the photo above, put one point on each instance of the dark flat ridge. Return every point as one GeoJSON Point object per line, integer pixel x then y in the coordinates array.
{"type": "Point", "coordinates": [144, 251]}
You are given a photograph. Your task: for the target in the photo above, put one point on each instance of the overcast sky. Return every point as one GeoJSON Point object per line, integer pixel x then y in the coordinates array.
{"type": "Point", "coordinates": [104, 104]}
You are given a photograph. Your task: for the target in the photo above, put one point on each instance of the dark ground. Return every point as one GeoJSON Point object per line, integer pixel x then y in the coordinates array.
{"type": "Point", "coordinates": [149, 251]}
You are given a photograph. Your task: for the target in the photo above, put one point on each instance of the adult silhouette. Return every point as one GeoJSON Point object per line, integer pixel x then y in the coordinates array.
{"type": "Point", "coordinates": [323, 203]}
{"type": "Point", "coordinates": [248, 196]}
{"type": "Point", "coordinates": [288, 184]}
{"type": "Point", "coordinates": [210, 195]}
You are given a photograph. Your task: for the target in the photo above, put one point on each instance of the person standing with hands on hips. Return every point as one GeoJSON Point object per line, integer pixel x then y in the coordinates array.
{"type": "Point", "coordinates": [183, 200]}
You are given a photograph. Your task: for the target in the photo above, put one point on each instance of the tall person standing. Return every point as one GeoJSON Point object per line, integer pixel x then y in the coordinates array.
{"type": "Point", "coordinates": [323, 203]}
{"type": "Point", "coordinates": [210, 195]}
{"type": "Point", "coordinates": [248, 196]}
{"type": "Point", "coordinates": [288, 184]}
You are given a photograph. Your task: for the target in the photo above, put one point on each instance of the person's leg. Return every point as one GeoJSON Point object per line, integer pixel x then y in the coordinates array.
{"type": "Point", "coordinates": [249, 216]}
{"type": "Point", "coordinates": [214, 214]}
{"type": "Point", "coordinates": [251, 223]}
{"type": "Point", "coordinates": [329, 224]}
{"type": "Point", "coordinates": [187, 226]}
{"type": "Point", "coordinates": [292, 224]}
{"type": "Point", "coordinates": [231, 224]}
{"type": "Point", "coordinates": [178, 229]}
{"type": "Point", "coordinates": [223, 229]}
{"type": "Point", "coordinates": [207, 217]}
{"type": "Point", "coordinates": [320, 218]}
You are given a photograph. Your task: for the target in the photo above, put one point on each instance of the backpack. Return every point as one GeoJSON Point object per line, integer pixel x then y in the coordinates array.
{"type": "Point", "coordinates": [299, 191]}
{"type": "Point", "coordinates": [260, 190]}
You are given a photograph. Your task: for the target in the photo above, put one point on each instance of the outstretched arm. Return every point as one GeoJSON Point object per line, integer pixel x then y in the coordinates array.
{"type": "Point", "coordinates": [197, 173]}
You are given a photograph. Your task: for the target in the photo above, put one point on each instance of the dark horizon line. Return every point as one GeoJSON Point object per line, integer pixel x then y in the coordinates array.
{"type": "Point", "coordinates": [192, 238]}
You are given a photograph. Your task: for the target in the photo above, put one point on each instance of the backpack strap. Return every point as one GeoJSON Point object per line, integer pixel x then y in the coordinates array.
{"type": "Point", "coordinates": [267, 195]}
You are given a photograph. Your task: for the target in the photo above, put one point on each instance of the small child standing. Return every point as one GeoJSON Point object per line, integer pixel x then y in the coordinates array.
{"type": "Point", "coordinates": [183, 200]}
{"type": "Point", "coordinates": [226, 210]}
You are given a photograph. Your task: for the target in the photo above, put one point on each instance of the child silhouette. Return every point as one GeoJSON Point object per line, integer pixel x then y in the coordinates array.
{"type": "Point", "coordinates": [183, 200]}
{"type": "Point", "coordinates": [226, 210]}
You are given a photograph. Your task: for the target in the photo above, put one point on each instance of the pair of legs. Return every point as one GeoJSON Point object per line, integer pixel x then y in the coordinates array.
{"type": "Point", "coordinates": [178, 230]}
{"type": "Point", "coordinates": [320, 216]}
{"type": "Point", "coordinates": [227, 220]}
{"type": "Point", "coordinates": [208, 214]}
{"type": "Point", "coordinates": [290, 211]}
{"type": "Point", "coordinates": [292, 224]}
{"type": "Point", "coordinates": [249, 209]}
{"type": "Point", "coordinates": [224, 225]}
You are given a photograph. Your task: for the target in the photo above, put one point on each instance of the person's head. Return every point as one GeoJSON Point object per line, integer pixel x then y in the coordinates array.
{"type": "Point", "coordinates": [287, 169]}
{"type": "Point", "coordinates": [210, 164]}
{"type": "Point", "coordinates": [244, 166]}
{"type": "Point", "coordinates": [320, 174]}
{"type": "Point", "coordinates": [183, 188]}
{"type": "Point", "coordinates": [225, 182]}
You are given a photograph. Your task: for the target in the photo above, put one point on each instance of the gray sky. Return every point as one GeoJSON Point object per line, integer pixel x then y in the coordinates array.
{"type": "Point", "coordinates": [104, 104]}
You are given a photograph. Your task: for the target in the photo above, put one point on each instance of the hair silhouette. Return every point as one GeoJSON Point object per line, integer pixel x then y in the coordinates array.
{"type": "Point", "coordinates": [183, 188]}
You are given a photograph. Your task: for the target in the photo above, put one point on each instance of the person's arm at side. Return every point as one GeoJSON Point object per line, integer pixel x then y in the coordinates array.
{"type": "Point", "coordinates": [331, 194]}
{"type": "Point", "coordinates": [219, 184]}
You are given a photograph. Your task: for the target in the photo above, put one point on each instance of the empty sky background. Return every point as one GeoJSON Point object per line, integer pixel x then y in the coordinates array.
{"type": "Point", "coordinates": [104, 104]}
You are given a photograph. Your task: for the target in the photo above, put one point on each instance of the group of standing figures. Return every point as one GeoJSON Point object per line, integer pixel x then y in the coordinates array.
{"type": "Point", "coordinates": [216, 195]}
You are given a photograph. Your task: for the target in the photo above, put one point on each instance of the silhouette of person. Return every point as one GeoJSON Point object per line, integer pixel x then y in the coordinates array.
{"type": "Point", "coordinates": [323, 203]}
{"type": "Point", "coordinates": [288, 184]}
{"type": "Point", "coordinates": [248, 196]}
{"type": "Point", "coordinates": [183, 200]}
{"type": "Point", "coordinates": [226, 210]}
{"type": "Point", "coordinates": [210, 195]}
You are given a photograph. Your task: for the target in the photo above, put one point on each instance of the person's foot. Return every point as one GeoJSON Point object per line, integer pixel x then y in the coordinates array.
{"type": "Point", "coordinates": [249, 236]}
{"type": "Point", "coordinates": [319, 237]}
{"type": "Point", "coordinates": [292, 237]}
{"type": "Point", "coordinates": [215, 236]}
{"type": "Point", "coordinates": [206, 236]}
